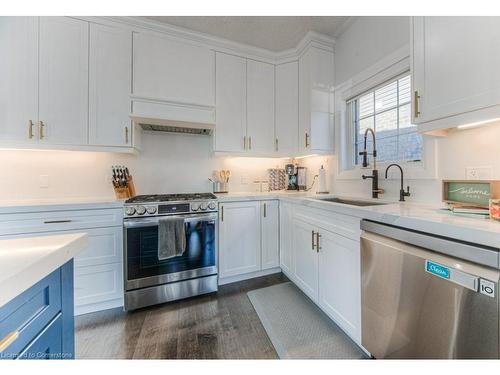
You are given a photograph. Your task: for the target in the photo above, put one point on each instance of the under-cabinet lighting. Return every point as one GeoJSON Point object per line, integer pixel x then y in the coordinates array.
{"type": "Point", "coordinates": [304, 156]}
{"type": "Point", "coordinates": [476, 124]}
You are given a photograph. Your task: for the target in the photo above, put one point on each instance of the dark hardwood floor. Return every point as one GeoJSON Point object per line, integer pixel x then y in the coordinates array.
{"type": "Point", "coordinates": [222, 325]}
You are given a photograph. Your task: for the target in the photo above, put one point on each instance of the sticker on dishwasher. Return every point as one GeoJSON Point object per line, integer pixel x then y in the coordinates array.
{"type": "Point", "coordinates": [437, 269]}
{"type": "Point", "coordinates": [487, 287]}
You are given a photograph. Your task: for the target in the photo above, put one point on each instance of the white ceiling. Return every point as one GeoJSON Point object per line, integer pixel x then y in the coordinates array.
{"type": "Point", "coordinates": [272, 33]}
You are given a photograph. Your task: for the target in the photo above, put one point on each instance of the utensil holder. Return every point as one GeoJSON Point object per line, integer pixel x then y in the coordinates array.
{"type": "Point", "coordinates": [127, 191]}
{"type": "Point", "coordinates": [220, 187]}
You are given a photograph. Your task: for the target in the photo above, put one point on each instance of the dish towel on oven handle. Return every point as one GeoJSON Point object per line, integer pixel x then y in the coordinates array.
{"type": "Point", "coordinates": [171, 238]}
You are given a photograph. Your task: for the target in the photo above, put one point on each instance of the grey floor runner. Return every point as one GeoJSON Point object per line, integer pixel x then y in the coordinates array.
{"type": "Point", "coordinates": [297, 328]}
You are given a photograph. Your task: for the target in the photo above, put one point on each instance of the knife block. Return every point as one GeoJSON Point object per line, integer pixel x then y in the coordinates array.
{"type": "Point", "coordinates": [126, 192]}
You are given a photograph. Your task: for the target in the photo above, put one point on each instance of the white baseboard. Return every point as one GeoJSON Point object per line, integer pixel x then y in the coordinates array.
{"type": "Point", "coordinates": [94, 307]}
{"type": "Point", "coordinates": [250, 275]}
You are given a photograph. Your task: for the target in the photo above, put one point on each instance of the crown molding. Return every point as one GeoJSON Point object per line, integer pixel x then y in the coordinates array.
{"type": "Point", "coordinates": [224, 45]}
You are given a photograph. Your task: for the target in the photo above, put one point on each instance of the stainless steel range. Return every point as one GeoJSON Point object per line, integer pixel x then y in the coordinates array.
{"type": "Point", "coordinates": [151, 278]}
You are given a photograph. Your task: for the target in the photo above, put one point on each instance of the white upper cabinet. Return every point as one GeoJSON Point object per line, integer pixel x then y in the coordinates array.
{"type": "Point", "coordinates": [316, 83]}
{"type": "Point", "coordinates": [455, 71]}
{"type": "Point", "coordinates": [63, 77]}
{"type": "Point", "coordinates": [19, 78]}
{"type": "Point", "coordinates": [110, 78]}
{"type": "Point", "coordinates": [287, 108]}
{"type": "Point", "coordinates": [172, 70]}
{"type": "Point", "coordinates": [231, 103]}
{"type": "Point", "coordinates": [260, 108]}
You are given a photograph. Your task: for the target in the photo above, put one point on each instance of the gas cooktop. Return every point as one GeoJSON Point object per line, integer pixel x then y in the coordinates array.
{"type": "Point", "coordinates": [170, 197]}
{"type": "Point", "coordinates": [169, 204]}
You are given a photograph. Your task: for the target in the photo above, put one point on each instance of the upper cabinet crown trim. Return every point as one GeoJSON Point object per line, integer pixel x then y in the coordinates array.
{"type": "Point", "coordinates": [224, 45]}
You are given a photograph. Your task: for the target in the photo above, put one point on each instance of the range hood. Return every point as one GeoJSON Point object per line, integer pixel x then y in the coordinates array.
{"type": "Point", "coordinates": [173, 126]}
{"type": "Point", "coordinates": [173, 117]}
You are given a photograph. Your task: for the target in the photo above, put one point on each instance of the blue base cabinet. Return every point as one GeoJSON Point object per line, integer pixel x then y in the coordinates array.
{"type": "Point", "coordinates": [39, 323]}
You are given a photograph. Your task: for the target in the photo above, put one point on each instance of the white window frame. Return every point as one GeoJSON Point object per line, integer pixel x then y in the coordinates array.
{"type": "Point", "coordinates": [391, 67]}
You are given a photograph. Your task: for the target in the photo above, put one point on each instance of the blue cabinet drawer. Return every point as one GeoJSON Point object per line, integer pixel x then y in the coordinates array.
{"type": "Point", "coordinates": [48, 344]}
{"type": "Point", "coordinates": [23, 318]}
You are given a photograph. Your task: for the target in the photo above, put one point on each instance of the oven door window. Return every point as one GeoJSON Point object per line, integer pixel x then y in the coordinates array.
{"type": "Point", "coordinates": [142, 250]}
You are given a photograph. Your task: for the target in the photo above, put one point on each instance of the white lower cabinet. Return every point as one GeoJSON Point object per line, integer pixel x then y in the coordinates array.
{"type": "Point", "coordinates": [306, 258]}
{"type": "Point", "coordinates": [248, 238]}
{"type": "Point", "coordinates": [98, 274]}
{"type": "Point", "coordinates": [324, 264]}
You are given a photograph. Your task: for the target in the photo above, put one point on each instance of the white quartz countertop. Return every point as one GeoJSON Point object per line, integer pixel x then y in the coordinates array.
{"type": "Point", "coordinates": [38, 205]}
{"type": "Point", "coordinates": [25, 261]}
{"type": "Point", "coordinates": [426, 218]}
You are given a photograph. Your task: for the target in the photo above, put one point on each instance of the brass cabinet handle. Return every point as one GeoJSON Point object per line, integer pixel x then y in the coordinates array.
{"type": "Point", "coordinates": [30, 129]}
{"type": "Point", "coordinates": [221, 213]}
{"type": "Point", "coordinates": [249, 143]}
{"type": "Point", "coordinates": [126, 134]}
{"type": "Point", "coordinates": [41, 133]}
{"type": "Point", "coordinates": [307, 140]}
{"type": "Point", "coordinates": [318, 246]}
{"type": "Point", "coordinates": [416, 104]}
{"type": "Point", "coordinates": [276, 144]}
{"type": "Point", "coordinates": [57, 221]}
{"type": "Point", "coordinates": [244, 142]}
{"type": "Point", "coordinates": [313, 233]}
{"type": "Point", "coordinates": [8, 340]}
{"type": "Point", "coordinates": [265, 209]}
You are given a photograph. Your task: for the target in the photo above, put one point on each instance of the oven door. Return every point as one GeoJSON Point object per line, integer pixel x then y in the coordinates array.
{"type": "Point", "coordinates": [142, 268]}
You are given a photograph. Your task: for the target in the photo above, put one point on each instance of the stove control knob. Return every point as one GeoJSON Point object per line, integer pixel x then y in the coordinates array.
{"type": "Point", "coordinates": [203, 206]}
{"type": "Point", "coordinates": [195, 206]}
{"type": "Point", "coordinates": [212, 205]}
{"type": "Point", "coordinates": [130, 211]}
{"type": "Point", "coordinates": [151, 210]}
{"type": "Point", "coordinates": [141, 210]}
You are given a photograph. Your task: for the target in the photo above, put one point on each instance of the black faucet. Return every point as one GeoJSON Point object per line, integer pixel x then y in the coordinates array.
{"type": "Point", "coordinates": [402, 192]}
{"type": "Point", "coordinates": [375, 189]}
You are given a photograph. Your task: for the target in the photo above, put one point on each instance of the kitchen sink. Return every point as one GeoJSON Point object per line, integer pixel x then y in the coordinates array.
{"type": "Point", "coordinates": [352, 202]}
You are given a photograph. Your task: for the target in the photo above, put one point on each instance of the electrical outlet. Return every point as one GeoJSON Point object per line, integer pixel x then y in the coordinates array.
{"type": "Point", "coordinates": [44, 181]}
{"type": "Point", "coordinates": [478, 173]}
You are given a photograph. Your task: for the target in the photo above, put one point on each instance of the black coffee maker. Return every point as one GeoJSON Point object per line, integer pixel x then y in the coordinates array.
{"type": "Point", "coordinates": [291, 172]}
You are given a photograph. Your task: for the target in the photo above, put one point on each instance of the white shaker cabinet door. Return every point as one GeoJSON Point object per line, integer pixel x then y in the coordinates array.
{"type": "Point", "coordinates": [19, 78]}
{"type": "Point", "coordinates": [260, 108]}
{"type": "Point", "coordinates": [239, 238]}
{"type": "Point", "coordinates": [231, 106]}
{"type": "Point", "coordinates": [455, 70]}
{"type": "Point", "coordinates": [270, 234]}
{"type": "Point", "coordinates": [110, 80]}
{"type": "Point", "coordinates": [287, 112]}
{"type": "Point", "coordinates": [286, 239]}
{"type": "Point", "coordinates": [340, 281]}
{"type": "Point", "coordinates": [173, 70]}
{"type": "Point", "coordinates": [306, 258]}
{"type": "Point", "coordinates": [63, 70]}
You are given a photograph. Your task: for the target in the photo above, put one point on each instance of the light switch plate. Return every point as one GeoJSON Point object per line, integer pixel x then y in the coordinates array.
{"type": "Point", "coordinates": [478, 173]}
{"type": "Point", "coordinates": [44, 181]}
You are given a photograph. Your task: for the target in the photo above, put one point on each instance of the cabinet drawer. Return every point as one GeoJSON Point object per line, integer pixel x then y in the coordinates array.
{"type": "Point", "coordinates": [95, 284]}
{"type": "Point", "coordinates": [11, 224]}
{"type": "Point", "coordinates": [48, 344]}
{"type": "Point", "coordinates": [30, 312]}
{"type": "Point", "coordinates": [105, 246]}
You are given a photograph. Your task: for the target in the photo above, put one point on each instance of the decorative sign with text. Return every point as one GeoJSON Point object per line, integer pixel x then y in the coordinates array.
{"type": "Point", "coordinates": [470, 192]}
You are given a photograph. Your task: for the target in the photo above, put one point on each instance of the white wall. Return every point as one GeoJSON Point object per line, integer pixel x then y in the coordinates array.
{"type": "Point", "coordinates": [168, 163]}
{"type": "Point", "coordinates": [364, 43]}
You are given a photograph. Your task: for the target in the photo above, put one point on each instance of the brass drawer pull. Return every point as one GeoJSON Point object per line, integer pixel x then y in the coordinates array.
{"type": "Point", "coordinates": [265, 209]}
{"type": "Point", "coordinates": [307, 140]}
{"type": "Point", "coordinates": [30, 129]}
{"type": "Point", "coordinates": [416, 100]}
{"type": "Point", "coordinates": [8, 340]}
{"type": "Point", "coordinates": [41, 131]}
{"type": "Point", "coordinates": [318, 246]}
{"type": "Point", "coordinates": [313, 233]}
{"type": "Point", "coordinates": [126, 134]}
{"type": "Point", "coordinates": [57, 221]}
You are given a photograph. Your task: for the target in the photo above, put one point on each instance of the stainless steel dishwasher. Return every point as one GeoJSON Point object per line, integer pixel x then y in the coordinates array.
{"type": "Point", "coordinates": [426, 296]}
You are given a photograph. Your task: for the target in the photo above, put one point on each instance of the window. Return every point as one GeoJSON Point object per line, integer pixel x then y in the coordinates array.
{"type": "Point", "coordinates": [387, 110]}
